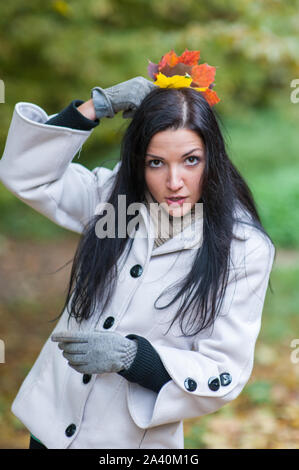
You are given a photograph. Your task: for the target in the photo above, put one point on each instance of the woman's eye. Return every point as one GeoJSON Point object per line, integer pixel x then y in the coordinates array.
{"type": "Point", "coordinates": [195, 162]}
{"type": "Point", "coordinates": [156, 161]}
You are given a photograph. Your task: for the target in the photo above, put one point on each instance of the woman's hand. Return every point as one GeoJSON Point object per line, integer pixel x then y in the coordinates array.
{"type": "Point", "coordinates": [96, 352]}
{"type": "Point", "coordinates": [87, 109]}
{"type": "Point", "coordinates": [125, 96]}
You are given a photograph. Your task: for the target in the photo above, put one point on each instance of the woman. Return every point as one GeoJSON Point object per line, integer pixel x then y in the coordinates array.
{"type": "Point", "coordinates": [155, 329]}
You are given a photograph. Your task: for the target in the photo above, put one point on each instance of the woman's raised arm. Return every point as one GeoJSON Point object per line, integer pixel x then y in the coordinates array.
{"type": "Point", "coordinates": [37, 164]}
{"type": "Point", "coordinates": [37, 161]}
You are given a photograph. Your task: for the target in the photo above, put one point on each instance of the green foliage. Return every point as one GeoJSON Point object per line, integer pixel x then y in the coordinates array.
{"type": "Point", "coordinates": [259, 392]}
{"type": "Point", "coordinates": [264, 147]}
{"type": "Point", "coordinates": [22, 222]}
{"type": "Point", "coordinates": [278, 193]}
{"type": "Point", "coordinates": [280, 314]}
{"type": "Point", "coordinates": [53, 52]}
{"type": "Point", "coordinates": [194, 438]}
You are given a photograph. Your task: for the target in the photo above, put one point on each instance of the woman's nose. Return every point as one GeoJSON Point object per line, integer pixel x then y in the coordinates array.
{"type": "Point", "coordinates": [174, 180]}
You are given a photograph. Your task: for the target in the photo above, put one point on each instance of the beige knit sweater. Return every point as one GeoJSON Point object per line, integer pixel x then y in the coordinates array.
{"type": "Point", "coordinates": [166, 226]}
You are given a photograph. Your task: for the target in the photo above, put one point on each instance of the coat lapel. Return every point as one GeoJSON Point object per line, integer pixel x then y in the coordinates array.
{"type": "Point", "coordinates": [189, 238]}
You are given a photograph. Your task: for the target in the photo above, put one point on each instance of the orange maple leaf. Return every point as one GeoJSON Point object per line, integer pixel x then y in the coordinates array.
{"type": "Point", "coordinates": [186, 65]}
{"type": "Point", "coordinates": [203, 74]}
{"type": "Point", "coordinates": [170, 59]}
{"type": "Point", "coordinates": [211, 96]}
{"type": "Point", "coordinates": [189, 57]}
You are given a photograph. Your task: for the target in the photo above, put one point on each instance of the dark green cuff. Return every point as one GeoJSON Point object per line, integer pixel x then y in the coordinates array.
{"type": "Point", "coordinates": [71, 117]}
{"type": "Point", "coordinates": [147, 368]}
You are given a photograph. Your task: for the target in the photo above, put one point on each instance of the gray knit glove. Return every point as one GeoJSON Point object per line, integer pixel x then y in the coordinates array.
{"type": "Point", "coordinates": [96, 352]}
{"type": "Point", "coordinates": [125, 96]}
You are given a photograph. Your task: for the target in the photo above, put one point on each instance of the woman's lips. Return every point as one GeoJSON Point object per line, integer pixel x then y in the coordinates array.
{"type": "Point", "coordinates": [175, 202]}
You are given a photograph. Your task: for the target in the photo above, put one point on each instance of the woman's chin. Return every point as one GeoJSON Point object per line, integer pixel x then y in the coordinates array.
{"type": "Point", "coordinates": [179, 211]}
{"type": "Point", "coordinates": [176, 210]}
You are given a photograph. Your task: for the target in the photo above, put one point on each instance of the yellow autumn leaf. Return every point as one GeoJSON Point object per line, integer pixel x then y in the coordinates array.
{"type": "Point", "coordinates": [176, 81]}
{"type": "Point", "coordinates": [201, 89]}
{"type": "Point", "coordinates": [61, 7]}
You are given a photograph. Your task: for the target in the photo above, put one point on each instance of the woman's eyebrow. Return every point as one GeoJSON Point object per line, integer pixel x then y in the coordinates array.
{"type": "Point", "coordinates": [190, 151]}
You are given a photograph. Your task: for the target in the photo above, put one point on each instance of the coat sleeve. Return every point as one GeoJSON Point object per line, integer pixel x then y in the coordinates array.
{"type": "Point", "coordinates": [37, 167]}
{"type": "Point", "coordinates": [196, 388]}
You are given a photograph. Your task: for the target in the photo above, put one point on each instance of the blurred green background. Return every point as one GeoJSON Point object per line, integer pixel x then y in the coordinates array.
{"type": "Point", "coordinates": [53, 52]}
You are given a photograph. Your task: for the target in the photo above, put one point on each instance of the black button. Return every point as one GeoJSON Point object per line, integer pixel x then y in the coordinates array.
{"type": "Point", "coordinates": [70, 430]}
{"type": "Point", "coordinates": [214, 383]}
{"type": "Point", "coordinates": [225, 379]}
{"type": "Point", "coordinates": [108, 322]}
{"type": "Point", "coordinates": [86, 378]}
{"type": "Point", "coordinates": [136, 271]}
{"type": "Point", "coordinates": [190, 384]}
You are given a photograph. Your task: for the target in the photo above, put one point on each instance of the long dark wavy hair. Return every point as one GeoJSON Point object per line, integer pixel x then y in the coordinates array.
{"type": "Point", "coordinates": [94, 271]}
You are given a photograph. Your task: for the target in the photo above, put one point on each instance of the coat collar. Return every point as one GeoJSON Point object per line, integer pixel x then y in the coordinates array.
{"type": "Point", "coordinates": [189, 238]}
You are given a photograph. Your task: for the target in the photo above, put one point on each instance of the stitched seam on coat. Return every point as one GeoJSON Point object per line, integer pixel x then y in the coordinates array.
{"type": "Point", "coordinates": [142, 439]}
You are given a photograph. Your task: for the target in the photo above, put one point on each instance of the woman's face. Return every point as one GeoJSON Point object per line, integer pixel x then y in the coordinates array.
{"type": "Point", "coordinates": [174, 164]}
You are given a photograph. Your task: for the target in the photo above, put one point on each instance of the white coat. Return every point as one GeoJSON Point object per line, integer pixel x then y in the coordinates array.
{"type": "Point", "coordinates": [109, 411]}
